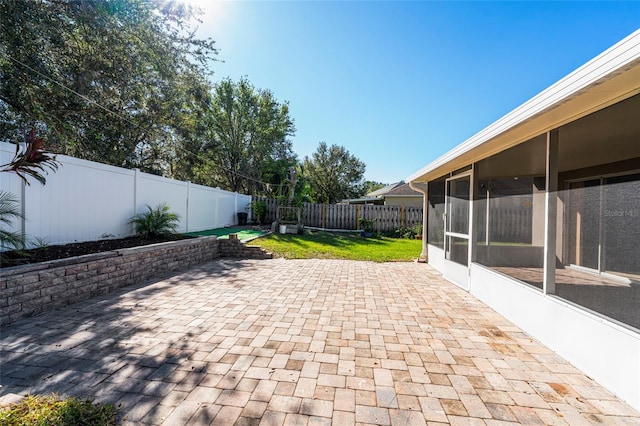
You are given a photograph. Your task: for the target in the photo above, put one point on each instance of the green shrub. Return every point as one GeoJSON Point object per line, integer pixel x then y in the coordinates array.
{"type": "Point", "coordinates": [259, 211]}
{"type": "Point", "coordinates": [50, 410]}
{"type": "Point", "coordinates": [10, 210]}
{"type": "Point", "coordinates": [158, 222]}
{"type": "Point", "coordinates": [402, 232]}
{"type": "Point", "coordinates": [367, 225]}
{"type": "Point", "coordinates": [406, 233]}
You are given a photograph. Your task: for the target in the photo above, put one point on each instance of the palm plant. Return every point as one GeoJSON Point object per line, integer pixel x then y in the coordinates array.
{"type": "Point", "coordinates": [156, 222]}
{"type": "Point", "coordinates": [9, 211]}
{"type": "Point", "coordinates": [32, 161]}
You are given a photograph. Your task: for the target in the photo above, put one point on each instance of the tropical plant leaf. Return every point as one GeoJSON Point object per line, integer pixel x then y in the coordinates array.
{"type": "Point", "coordinates": [10, 211]}
{"type": "Point", "coordinates": [156, 222]}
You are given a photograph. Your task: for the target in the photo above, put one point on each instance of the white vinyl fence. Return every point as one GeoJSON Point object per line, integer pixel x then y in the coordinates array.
{"type": "Point", "coordinates": [85, 201]}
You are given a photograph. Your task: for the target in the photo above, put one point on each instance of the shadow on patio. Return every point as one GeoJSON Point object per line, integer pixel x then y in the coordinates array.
{"type": "Point", "coordinates": [109, 348]}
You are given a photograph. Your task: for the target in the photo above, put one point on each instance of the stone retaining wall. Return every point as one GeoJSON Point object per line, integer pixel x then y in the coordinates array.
{"type": "Point", "coordinates": [28, 290]}
{"type": "Point", "coordinates": [234, 248]}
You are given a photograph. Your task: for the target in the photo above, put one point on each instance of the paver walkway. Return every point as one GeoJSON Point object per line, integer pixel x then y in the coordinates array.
{"type": "Point", "coordinates": [301, 342]}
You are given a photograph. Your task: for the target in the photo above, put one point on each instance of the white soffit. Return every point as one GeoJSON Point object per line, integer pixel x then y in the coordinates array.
{"type": "Point", "coordinates": [610, 77]}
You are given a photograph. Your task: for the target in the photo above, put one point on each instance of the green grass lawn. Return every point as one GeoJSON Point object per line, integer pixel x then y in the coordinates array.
{"type": "Point", "coordinates": [51, 410]}
{"type": "Point", "coordinates": [325, 245]}
{"type": "Point", "coordinates": [243, 233]}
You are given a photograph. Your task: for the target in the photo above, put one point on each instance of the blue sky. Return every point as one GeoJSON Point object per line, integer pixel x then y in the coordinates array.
{"type": "Point", "coordinates": [401, 83]}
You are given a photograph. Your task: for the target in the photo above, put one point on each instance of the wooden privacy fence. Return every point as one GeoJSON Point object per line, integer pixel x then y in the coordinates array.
{"type": "Point", "coordinates": [513, 225]}
{"type": "Point", "coordinates": [346, 216]}
{"type": "Point", "coordinates": [506, 224]}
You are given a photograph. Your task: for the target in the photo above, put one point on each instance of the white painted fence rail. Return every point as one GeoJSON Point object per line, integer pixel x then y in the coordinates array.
{"type": "Point", "coordinates": [85, 201]}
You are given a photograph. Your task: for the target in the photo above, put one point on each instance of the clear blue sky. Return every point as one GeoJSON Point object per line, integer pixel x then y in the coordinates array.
{"type": "Point", "coordinates": [401, 83]}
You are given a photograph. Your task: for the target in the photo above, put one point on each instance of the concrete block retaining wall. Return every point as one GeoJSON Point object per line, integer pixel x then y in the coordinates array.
{"type": "Point", "coordinates": [28, 290]}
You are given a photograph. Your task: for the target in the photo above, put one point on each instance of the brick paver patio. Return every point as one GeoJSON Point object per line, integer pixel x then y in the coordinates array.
{"type": "Point", "coordinates": [306, 342]}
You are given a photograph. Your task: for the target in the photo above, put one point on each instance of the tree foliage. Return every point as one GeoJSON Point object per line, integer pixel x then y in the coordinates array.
{"type": "Point", "coordinates": [118, 81]}
{"type": "Point", "coordinates": [371, 185]}
{"type": "Point", "coordinates": [334, 174]}
{"type": "Point", "coordinates": [247, 139]}
{"type": "Point", "coordinates": [125, 82]}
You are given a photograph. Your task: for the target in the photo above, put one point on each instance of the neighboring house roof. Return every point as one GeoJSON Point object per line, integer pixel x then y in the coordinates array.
{"type": "Point", "coordinates": [383, 190]}
{"type": "Point", "coordinates": [611, 76]}
{"type": "Point", "coordinates": [403, 190]}
{"type": "Point", "coordinates": [366, 200]}
{"type": "Point", "coordinates": [398, 189]}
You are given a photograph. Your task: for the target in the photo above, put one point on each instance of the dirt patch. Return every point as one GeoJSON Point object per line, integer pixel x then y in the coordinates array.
{"type": "Point", "coordinates": [550, 396]}
{"type": "Point", "coordinates": [493, 332]}
{"type": "Point", "coordinates": [594, 418]}
{"type": "Point", "coordinates": [453, 407]}
{"type": "Point", "coordinates": [54, 252]}
{"type": "Point", "coordinates": [503, 349]}
{"type": "Point", "coordinates": [499, 333]}
{"type": "Point", "coordinates": [561, 389]}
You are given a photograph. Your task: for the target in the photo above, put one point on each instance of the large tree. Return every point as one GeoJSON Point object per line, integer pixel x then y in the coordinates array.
{"type": "Point", "coordinates": [116, 81]}
{"type": "Point", "coordinates": [246, 144]}
{"type": "Point", "coordinates": [371, 185]}
{"type": "Point", "coordinates": [334, 174]}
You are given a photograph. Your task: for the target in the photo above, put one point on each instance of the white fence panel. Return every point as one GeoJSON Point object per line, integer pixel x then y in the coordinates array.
{"type": "Point", "coordinates": [152, 190]}
{"type": "Point", "coordinates": [202, 208]}
{"type": "Point", "coordinates": [85, 201]}
{"type": "Point", "coordinates": [8, 181]}
{"type": "Point", "coordinates": [82, 201]}
{"type": "Point", "coordinates": [243, 203]}
{"type": "Point", "coordinates": [226, 209]}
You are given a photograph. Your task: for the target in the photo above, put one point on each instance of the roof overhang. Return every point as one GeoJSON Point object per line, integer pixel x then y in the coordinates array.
{"type": "Point", "coordinates": [611, 77]}
{"type": "Point", "coordinates": [361, 200]}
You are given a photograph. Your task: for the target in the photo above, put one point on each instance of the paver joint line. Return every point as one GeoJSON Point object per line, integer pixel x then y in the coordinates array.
{"type": "Point", "coordinates": [300, 342]}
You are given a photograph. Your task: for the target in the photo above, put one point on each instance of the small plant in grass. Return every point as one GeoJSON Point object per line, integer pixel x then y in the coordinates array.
{"type": "Point", "coordinates": [367, 226]}
{"type": "Point", "coordinates": [156, 222]}
{"type": "Point", "coordinates": [418, 231]}
{"type": "Point", "coordinates": [50, 410]}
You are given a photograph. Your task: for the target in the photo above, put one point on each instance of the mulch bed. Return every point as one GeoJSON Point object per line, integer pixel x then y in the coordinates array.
{"type": "Point", "coordinates": [43, 254]}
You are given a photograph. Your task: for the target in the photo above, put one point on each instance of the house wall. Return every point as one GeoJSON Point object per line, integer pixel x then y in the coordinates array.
{"type": "Point", "coordinates": [570, 251]}
{"type": "Point", "coordinates": [435, 257]}
{"type": "Point", "coordinates": [510, 255]}
{"type": "Point", "coordinates": [403, 201]}
{"type": "Point", "coordinates": [538, 213]}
